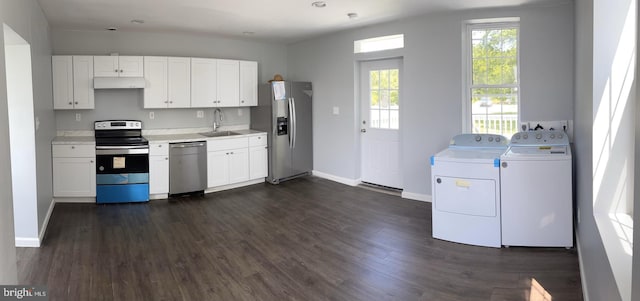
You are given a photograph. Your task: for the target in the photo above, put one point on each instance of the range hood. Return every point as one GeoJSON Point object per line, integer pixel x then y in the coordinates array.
{"type": "Point", "coordinates": [118, 83]}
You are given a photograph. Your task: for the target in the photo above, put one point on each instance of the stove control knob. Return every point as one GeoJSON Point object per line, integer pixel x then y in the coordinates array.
{"type": "Point", "coordinates": [497, 139]}
{"type": "Point", "coordinates": [478, 138]}
{"type": "Point", "coordinates": [560, 136]}
{"type": "Point", "coordinates": [552, 136]}
{"type": "Point", "coordinates": [538, 136]}
{"type": "Point", "coordinates": [490, 139]}
{"type": "Point", "coordinates": [516, 137]}
{"type": "Point", "coordinates": [525, 136]}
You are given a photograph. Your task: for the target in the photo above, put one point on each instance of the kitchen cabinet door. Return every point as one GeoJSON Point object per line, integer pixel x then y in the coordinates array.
{"type": "Point", "coordinates": [62, 76]}
{"type": "Point", "coordinates": [248, 83]}
{"type": "Point", "coordinates": [74, 177]}
{"type": "Point", "coordinates": [83, 96]}
{"type": "Point", "coordinates": [238, 165]}
{"type": "Point", "coordinates": [228, 82]}
{"type": "Point", "coordinates": [203, 83]}
{"type": "Point", "coordinates": [258, 162]}
{"type": "Point", "coordinates": [159, 174]}
{"type": "Point", "coordinates": [118, 66]}
{"type": "Point", "coordinates": [179, 82]}
{"type": "Point", "coordinates": [155, 75]}
{"type": "Point", "coordinates": [106, 66]}
{"type": "Point", "coordinates": [131, 66]}
{"type": "Point", "coordinates": [217, 168]}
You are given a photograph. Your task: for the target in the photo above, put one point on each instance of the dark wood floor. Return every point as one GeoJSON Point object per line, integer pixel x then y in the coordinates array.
{"type": "Point", "coordinates": [306, 239]}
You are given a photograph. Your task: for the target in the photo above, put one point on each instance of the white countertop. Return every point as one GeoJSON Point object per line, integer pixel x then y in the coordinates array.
{"type": "Point", "coordinates": [173, 138]}
{"type": "Point", "coordinates": [74, 140]}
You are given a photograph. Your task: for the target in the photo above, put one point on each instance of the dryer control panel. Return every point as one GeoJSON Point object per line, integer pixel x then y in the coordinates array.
{"type": "Point", "coordinates": [540, 138]}
{"type": "Point", "coordinates": [479, 140]}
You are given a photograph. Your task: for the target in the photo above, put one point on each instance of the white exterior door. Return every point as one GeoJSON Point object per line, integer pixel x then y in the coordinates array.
{"type": "Point", "coordinates": [380, 101]}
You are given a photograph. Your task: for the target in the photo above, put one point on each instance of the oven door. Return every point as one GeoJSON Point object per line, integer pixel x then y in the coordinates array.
{"type": "Point", "coordinates": [121, 160]}
{"type": "Point", "coordinates": [122, 174]}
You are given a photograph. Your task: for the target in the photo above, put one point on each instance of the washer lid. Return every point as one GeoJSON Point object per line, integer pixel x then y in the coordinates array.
{"type": "Point", "coordinates": [475, 155]}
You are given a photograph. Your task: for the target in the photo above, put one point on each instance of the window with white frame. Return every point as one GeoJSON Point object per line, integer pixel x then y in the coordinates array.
{"type": "Point", "coordinates": [492, 79]}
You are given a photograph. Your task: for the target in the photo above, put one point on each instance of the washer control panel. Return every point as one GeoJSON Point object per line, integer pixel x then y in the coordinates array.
{"type": "Point", "coordinates": [540, 137]}
{"type": "Point", "coordinates": [478, 140]}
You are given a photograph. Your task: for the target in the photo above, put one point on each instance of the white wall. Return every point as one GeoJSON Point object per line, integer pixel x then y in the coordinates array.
{"type": "Point", "coordinates": [432, 88]}
{"type": "Point", "coordinates": [22, 137]}
{"type": "Point", "coordinates": [271, 58]}
{"type": "Point", "coordinates": [27, 19]}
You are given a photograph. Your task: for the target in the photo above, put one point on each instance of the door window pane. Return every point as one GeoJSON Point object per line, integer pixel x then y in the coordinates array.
{"type": "Point", "coordinates": [384, 93]}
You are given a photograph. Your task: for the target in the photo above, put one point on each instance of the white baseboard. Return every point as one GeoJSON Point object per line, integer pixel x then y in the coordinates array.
{"type": "Point", "coordinates": [350, 182]}
{"type": "Point", "coordinates": [158, 196]}
{"type": "Point", "coordinates": [585, 292]}
{"type": "Point", "coordinates": [27, 242]}
{"type": "Point", "coordinates": [75, 200]}
{"type": "Point", "coordinates": [236, 185]}
{"type": "Point", "coordinates": [45, 223]}
{"type": "Point", "coordinates": [416, 196]}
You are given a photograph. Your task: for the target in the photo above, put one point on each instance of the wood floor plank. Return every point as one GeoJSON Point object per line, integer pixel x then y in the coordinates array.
{"type": "Point", "coordinates": [305, 239]}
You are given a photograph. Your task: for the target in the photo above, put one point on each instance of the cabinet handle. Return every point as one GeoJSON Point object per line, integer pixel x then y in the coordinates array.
{"type": "Point", "coordinates": [266, 147]}
{"type": "Point", "coordinates": [227, 153]}
{"type": "Point", "coordinates": [159, 145]}
{"type": "Point", "coordinates": [71, 102]}
{"type": "Point", "coordinates": [166, 158]}
{"type": "Point", "coordinates": [242, 101]}
{"type": "Point", "coordinates": [121, 71]}
{"type": "Point", "coordinates": [166, 101]}
{"type": "Point", "coordinates": [76, 102]}
{"type": "Point", "coordinates": [116, 70]}
{"type": "Point", "coordinates": [232, 153]}
{"type": "Point", "coordinates": [90, 161]}
{"type": "Point", "coordinates": [170, 101]}
{"type": "Point", "coordinates": [73, 147]}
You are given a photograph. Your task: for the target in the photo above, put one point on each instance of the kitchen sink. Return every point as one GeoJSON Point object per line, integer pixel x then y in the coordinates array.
{"type": "Point", "coordinates": [220, 134]}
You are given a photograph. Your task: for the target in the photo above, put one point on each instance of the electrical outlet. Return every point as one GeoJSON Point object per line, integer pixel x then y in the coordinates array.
{"type": "Point", "coordinates": [240, 113]}
{"type": "Point", "coordinates": [78, 116]}
{"type": "Point", "coordinates": [336, 110]}
{"type": "Point", "coordinates": [200, 114]}
{"type": "Point", "coordinates": [152, 115]}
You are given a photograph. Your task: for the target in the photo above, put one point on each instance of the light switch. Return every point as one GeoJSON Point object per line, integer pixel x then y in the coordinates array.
{"type": "Point", "coordinates": [200, 114]}
{"type": "Point", "coordinates": [152, 115]}
{"type": "Point", "coordinates": [336, 110]}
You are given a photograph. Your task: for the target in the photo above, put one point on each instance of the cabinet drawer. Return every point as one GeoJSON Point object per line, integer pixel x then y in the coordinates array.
{"type": "Point", "coordinates": [258, 140]}
{"type": "Point", "coordinates": [158, 149]}
{"type": "Point", "coordinates": [223, 144]}
{"type": "Point", "coordinates": [73, 151]}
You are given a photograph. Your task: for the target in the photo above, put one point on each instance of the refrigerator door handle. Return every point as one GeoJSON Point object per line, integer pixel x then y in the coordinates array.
{"type": "Point", "coordinates": [295, 122]}
{"type": "Point", "coordinates": [290, 133]}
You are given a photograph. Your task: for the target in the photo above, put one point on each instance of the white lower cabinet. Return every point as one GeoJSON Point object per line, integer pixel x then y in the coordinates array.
{"type": "Point", "coordinates": [227, 161]}
{"type": "Point", "coordinates": [158, 168]}
{"type": "Point", "coordinates": [74, 170]}
{"type": "Point", "coordinates": [258, 157]}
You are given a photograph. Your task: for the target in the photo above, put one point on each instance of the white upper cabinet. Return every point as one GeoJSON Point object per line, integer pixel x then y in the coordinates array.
{"type": "Point", "coordinates": [203, 83]}
{"type": "Point", "coordinates": [179, 82]}
{"type": "Point", "coordinates": [168, 82]}
{"type": "Point", "coordinates": [248, 83]}
{"type": "Point", "coordinates": [228, 82]}
{"type": "Point", "coordinates": [155, 75]}
{"type": "Point", "coordinates": [72, 78]}
{"type": "Point", "coordinates": [62, 76]}
{"type": "Point", "coordinates": [83, 96]}
{"type": "Point", "coordinates": [118, 66]}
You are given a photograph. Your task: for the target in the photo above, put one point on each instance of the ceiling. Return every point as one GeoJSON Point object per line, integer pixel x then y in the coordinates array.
{"type": "Point", "coordinates": [278, 20]}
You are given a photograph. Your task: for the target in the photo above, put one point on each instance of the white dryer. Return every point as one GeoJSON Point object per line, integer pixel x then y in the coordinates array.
{"type": "Point", "coordinates": [466, 190]}
{"type": "Point", "coordinates": [537, 203]}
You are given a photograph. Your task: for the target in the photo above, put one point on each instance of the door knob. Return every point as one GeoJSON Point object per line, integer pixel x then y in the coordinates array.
{"type": "Point", "coordinates": [363, 130]}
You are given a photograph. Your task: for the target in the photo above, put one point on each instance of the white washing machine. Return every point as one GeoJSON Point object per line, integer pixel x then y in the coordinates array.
{"type": "Point", "coordinates": [466, 190]}
{"type": "Point", "coordinates": [537, 203]}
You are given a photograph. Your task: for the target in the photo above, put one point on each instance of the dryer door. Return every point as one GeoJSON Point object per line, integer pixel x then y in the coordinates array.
{"type": "Point", "coordinates": [467, 196]}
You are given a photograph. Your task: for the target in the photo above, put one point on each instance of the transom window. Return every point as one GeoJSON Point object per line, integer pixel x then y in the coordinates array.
{"type": "Point", "coordinates": [493, 78]}
{"type": "Point", "coordinates": [384, 88]}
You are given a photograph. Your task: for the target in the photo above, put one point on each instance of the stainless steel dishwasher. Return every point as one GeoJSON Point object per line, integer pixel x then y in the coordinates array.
{"type": "Point", "coordinates": [187, 167]}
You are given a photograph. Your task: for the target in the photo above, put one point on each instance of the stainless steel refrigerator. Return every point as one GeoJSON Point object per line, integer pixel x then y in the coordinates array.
{"type": "Point", "coordinates": [284, 112]}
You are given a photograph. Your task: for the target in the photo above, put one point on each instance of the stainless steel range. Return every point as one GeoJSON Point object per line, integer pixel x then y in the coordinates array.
{"type": "Point", "coordinates": [122, 162]}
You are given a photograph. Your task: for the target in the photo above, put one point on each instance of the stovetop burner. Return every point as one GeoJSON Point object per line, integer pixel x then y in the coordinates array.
{"type": "Point", "coordinates": [119, 133]}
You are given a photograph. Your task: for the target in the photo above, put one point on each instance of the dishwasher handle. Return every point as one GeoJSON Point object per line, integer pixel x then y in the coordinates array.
{"type": "Point", "coordinates": [187, 144]}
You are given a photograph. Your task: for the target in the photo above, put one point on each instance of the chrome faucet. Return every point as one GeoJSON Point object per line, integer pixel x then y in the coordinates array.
{"type": "Point", "coordinates": [217, 125]}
